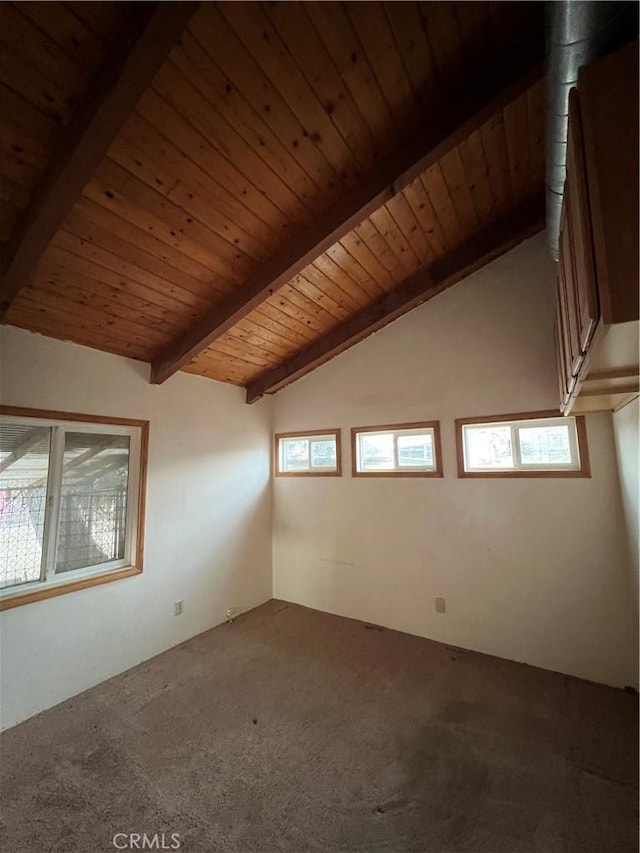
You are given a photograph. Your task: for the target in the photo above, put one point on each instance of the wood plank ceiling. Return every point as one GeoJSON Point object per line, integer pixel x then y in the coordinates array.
{"type": "Point", "coordinates": [263, 117]}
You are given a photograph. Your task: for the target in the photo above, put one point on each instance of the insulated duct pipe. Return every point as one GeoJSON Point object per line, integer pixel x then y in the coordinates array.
{"type": "Point", "coordinates": [577, 32]}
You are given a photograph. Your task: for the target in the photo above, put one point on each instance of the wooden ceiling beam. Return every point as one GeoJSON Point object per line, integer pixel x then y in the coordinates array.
{"type": "Point", "coordinates": [481, 249]}
{"type": "Point", "coordinates": [138, 51]}
{"type": "Point", "coordinates": [461, 115]}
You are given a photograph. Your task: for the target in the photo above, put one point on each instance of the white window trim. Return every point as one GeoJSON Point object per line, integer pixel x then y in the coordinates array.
{"type": "Point", "coordinates": [60, 423]}
{"type": "Point", "coordinates": [578, 467]}
{"type": "Point", "coordinates": [397, 430]}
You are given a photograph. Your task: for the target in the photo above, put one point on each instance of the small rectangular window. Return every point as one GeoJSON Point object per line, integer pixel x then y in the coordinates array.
{"type": "Point", "coordinates": [397, 450]}
{"type": "Point", "coordinates": [536, 444]}
{"type": "Point", "coordinates": [71, 502]}
{"type": "Point", "coordinates": [305, 454]}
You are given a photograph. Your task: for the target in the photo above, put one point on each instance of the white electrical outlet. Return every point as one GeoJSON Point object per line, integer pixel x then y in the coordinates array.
{"type": "Point", "coordinates": [441, 605]}
{"type": "Point", "coordinates": [178, 608]}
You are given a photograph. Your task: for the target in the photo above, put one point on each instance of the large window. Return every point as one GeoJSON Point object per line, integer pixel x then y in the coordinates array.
{"type": "Point", "coordinates": [71, 502]}
{"type": "Point", "coordinates": [305, 454]}
{"type": "Point", "coordinates": [397, 450]}
{"type": "Point", "coordinates": [537, 444]}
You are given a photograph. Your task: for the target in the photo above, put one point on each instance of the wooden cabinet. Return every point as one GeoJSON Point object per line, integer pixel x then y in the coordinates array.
{"type": "Point", "coordinates": [598, 280]}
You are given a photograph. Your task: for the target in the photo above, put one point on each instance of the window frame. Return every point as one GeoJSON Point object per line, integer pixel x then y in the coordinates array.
{"type": "Point", "coordinates": [89, 576]}
{"type": "Point", "coordinates": [336, 432]}
{"type": "Point", "coordinates": [395, 428]}
{"type": "Point", "coordinates": [584, 471]}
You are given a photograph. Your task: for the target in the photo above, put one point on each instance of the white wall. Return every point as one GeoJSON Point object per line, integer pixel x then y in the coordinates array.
{"type": "Point", "coordinates": [625, 428]}
{"type": "Point", "coordinates": [535, 570]}
{"type": "Point", "coordinates": [208, 522]}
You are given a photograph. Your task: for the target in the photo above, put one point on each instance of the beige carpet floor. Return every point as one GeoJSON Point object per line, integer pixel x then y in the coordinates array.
{"type": "Point", "coordinates": [293, 730]}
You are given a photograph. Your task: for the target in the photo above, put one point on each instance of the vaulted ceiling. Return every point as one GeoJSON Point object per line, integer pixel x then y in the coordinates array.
{"type": "Point", "coordinates": [242, 190]}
